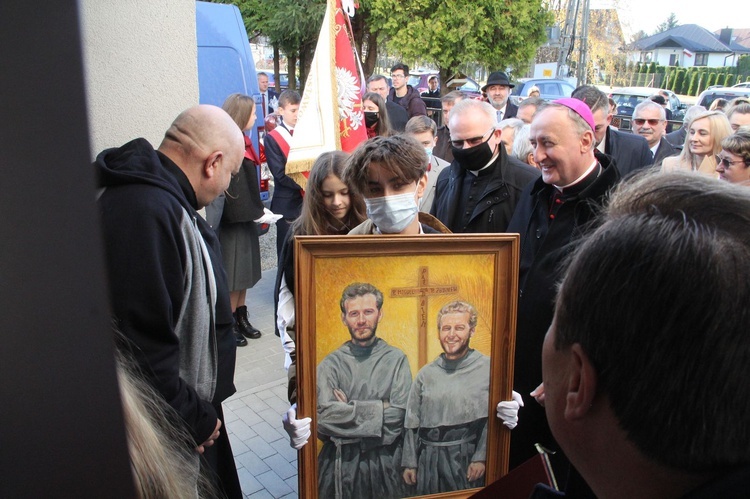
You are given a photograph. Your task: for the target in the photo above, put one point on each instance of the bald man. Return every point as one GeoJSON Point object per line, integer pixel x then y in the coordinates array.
{"type": "Point", "coordinates": [167, 285]}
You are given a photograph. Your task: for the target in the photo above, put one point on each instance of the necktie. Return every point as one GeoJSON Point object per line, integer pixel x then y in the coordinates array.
{"type": "Point", "coordinates": [265, 107]}
{"type": "Point", "coordinates": [499, 116]}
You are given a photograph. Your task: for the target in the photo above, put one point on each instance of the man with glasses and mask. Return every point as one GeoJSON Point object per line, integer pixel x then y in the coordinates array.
{"type": "Point", "coordinates": [480, 189]}
{"type": "Point", "coordinates": [650, 122]}
{"type": "Point", "coordinates": [404, 95]}
{"type": "Point", "coordinates": [552, 211]}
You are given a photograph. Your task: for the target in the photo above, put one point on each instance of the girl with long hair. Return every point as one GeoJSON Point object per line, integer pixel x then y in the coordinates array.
{"type": "Point", "coordinates": [238, 232]}
{"type": "Point", "coordinates": [376, 116]}
{"type": "Point", "coordinates": [330, 207]}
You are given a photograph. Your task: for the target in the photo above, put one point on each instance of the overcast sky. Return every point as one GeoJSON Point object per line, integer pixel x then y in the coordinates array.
{"type": "Point", "coordinates": [646, 15]}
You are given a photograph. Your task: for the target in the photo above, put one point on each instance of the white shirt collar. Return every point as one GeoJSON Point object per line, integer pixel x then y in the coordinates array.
{"type": "Point", "coordinates": [579, 179]}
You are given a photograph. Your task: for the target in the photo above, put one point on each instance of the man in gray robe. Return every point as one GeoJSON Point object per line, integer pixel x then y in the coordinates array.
{"type": "Point", "coordinates": [362, 391]}
{"type": "Point", "coordinates": [445, 441]}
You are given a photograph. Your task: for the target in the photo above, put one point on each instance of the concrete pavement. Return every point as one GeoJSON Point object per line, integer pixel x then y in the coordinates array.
{"type": "Point", "coordinates": [266, 464]}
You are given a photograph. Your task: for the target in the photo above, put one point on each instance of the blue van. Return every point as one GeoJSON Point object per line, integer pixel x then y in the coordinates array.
{"type": "Point", "coordinates": [225, 64]}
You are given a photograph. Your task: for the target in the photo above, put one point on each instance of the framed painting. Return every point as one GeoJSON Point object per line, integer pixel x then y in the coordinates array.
{"type": "Point", "coordinates": [404, 348]}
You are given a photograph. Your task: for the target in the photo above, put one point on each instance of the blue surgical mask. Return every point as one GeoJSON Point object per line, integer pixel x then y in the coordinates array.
{"type": "Point", "coordinates": [392, 214]}
{"type": "Point", "coordinates": [428, 150]}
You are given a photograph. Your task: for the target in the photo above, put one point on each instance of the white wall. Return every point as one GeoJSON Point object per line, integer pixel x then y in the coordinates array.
{"type": "Point", "coordinates": [141, 67]}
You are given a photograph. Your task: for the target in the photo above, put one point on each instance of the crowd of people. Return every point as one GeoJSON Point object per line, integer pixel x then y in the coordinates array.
{"type": "Point", "coordinates": [589, 358]}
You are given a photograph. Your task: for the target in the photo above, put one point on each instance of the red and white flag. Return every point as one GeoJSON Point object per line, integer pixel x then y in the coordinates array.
{"type": "Point", "coordinates": [330, 114]}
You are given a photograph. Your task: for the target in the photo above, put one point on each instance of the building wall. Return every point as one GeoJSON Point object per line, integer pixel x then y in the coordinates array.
{"type": "Point", "coordinates": [661, 56]}
{"type": "Point", "coordinates": [141, 67]}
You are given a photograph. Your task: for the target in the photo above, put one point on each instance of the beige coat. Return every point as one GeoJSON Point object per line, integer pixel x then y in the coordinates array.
{"type": "Point", "coordinates": [707, 166]}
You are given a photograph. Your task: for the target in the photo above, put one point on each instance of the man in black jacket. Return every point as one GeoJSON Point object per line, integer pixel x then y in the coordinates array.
{"type": "Point", "coordinates": [650, 122]}
{"type": "Point", "coordinates": [498, 92]}
{"type": "Point", "coordinates": [629, 151]}
{"type": "Point", "coordinates": [168, 287]}
{"type": "Point", "coordinates": [552, 211]}
{"type": "Point", "coordinates": [404, 95]}
{"type": "Point", "coordinates": [480, 189]}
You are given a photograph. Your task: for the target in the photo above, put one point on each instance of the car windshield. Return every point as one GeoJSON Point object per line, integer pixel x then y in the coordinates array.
{"type": "Point", "coordinates": [628, 100]}
{"type": "Point", "coordinates": [413, 80]}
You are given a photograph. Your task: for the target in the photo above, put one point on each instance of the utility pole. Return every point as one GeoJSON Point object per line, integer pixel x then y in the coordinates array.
{"type": "Point", "coordinates": [567, 38]}
{"type": "Point", "coordinates": [583, 54]}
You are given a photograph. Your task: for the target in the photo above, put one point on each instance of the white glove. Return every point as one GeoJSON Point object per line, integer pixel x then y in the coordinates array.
{"type": "Point", "coordinates": [268, 217]}
{"type": "Point", "coordinates": [508, 410]}
{"type": "Point", "coordinates": [298, 429]}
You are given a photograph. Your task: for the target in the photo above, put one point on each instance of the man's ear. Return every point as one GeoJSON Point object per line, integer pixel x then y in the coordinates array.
{"type": "Point", "coordinates": [587, 141]}
{"type": "Point", "coordinates": [421, 185]}
{"type": "Point", "coordinates": [212, 163]}
{"type": "Point", "coordinates": [581, 389]}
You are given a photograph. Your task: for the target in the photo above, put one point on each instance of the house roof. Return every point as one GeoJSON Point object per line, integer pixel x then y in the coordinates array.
{"type": "Point", "coordinates": [740, 38]}
{"type": "Point", "coordinates": [688, 36]}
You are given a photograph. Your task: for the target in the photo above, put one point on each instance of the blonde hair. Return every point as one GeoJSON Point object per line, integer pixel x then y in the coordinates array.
{"type": "Point", "coordinates": [718, 125]}
{"type": "Point", "coordinates": [162, 463]}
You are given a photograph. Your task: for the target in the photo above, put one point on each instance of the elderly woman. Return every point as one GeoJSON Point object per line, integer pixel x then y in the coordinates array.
{"type": "Point", "coordinates": [522, 148]}
{"type": "Point", "coordinates": [509, 127]}
{"type": "Point", "coordinates": [702, 144]}
{"type": "Point", "coordinates": [733, 162]}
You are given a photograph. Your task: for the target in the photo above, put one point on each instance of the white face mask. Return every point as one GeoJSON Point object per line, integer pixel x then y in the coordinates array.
{"type": "Point", "coordinates": [392, 214]}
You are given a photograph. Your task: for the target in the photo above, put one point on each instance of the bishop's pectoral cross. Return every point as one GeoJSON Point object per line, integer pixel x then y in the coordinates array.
{"type": "Point", "coordinates": [421, 291]}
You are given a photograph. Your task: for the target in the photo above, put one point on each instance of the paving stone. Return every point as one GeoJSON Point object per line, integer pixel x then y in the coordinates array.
{"type": "Point", "coordinates": [285, 450]}
{"type": "Point", "coordinates": [260, 447]}
{"type": "Point", "coordinates": [234, 403]}
{"type": "Point", "coordinates": [274, 484]}
{"type": "Point", "coordinates": [250, 415]}
{"type": "Point", "coordinates": [248, 482]}
{"type": "Point", "coordinates": [242, 431]}
{"type": "Point", "coordinates": [268, 432]}
{"type": "Point", "coordinates": [281, 466]}
{"type": "Point", "coordinates": [261, 494]}
{"type": "Point", "coordinates": [293, 482]}
{"type": "Point", "coordinates": [252, 463]}
{"type": "Point", "coordinates": [238, 445]}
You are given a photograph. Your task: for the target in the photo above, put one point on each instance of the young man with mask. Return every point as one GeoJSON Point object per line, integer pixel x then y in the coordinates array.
{"type": "Point", "coordinates": [480, 189]}
{"type": "Point", "coordinates": [391, 174]}
{"type": "Point", "coordinates": [423, 130]}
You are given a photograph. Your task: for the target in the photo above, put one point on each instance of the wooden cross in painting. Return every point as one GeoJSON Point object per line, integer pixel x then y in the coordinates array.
{"type": "Point", "coordinates": [422, 290]}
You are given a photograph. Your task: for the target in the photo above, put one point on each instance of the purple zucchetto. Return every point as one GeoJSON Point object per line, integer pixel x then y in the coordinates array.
{"type": "Point", "coordinates": [580, 108]}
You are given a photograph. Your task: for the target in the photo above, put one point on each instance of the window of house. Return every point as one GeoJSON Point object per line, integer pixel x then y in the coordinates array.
{"type": "Point", "coordinates": [672, 59]}
{"type": "Point", "coordinates": [701, 59]}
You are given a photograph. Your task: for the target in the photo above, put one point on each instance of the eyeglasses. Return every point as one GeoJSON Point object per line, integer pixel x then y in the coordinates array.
{"type": "Point", "coordinates": [640, 122]}
{"type": "Point", "coordinates": [473, 141]}
{"type": "Point", "coordinates": [725, 162]}
{"type": "Point", "coordinates": [395, 76]}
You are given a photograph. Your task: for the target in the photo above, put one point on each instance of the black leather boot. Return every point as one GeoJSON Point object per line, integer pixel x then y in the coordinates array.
{"type": "Point", "coordinates": [241, 342]}
{"type": "Point", "coordinates": [244, 326]}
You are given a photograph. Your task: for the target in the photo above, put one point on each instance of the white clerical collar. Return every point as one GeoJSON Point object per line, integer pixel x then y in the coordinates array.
{"type": "Point", "coordinates": [579, 179]}
{"type": "Point", "coordinates": [603, 144]}
{"type": "Point", "coordinates": [494, 157]}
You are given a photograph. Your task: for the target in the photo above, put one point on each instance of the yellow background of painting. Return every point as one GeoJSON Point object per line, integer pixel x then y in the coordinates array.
{"type": "Point", "coordinates": [474, 274]}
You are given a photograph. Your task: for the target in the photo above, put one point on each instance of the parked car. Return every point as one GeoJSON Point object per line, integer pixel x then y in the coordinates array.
{"type": "Point", "coordinates": [283, 80]}
{"type": "Point", "coordinates": [708, 96]}
{"type": "Point", "coordinates": [629, 97]}
{"type": "Point", "coordinates": [745, 84]}
{"type": "Point", "coordinates": [418, 80]}
{"type": "Point", "coordinates": [549, 89]}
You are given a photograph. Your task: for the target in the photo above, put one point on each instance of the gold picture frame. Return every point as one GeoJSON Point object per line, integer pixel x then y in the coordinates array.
{"type": "Point", "coordinates": [417, 276]}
